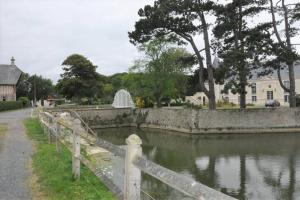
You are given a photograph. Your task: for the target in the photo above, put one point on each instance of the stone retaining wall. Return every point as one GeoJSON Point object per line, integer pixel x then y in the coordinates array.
{"type": "Point", "coordinates": [198, 121]}
{"type": "Point", "coordinates": [225, 121]}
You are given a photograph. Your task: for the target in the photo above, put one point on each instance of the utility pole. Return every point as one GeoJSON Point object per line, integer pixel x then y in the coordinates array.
{"type": "Point", "coordinates": [34, 91]}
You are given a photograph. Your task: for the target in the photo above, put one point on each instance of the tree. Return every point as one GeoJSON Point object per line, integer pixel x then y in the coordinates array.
{"type": "Point", "coordinates": [79, 79]}
{"type": "Point", "coordinates": [284, 49]}
{"type": "Point", "coordinates": [25, 87]}
{"type": "Point", "coordinates": [162, 70]}
{"type": "Point", "coordinates": [44, 87]}
{"type": "Point", "coordinates": [179, 20]}
{"type": "Point", "coordinates": [241, 46]}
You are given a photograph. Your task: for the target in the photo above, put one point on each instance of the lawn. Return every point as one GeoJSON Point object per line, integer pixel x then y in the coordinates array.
{"type": "Point", "coordinates": [3, 128]}
{"type": "Point", "coordinates": [54, 171]}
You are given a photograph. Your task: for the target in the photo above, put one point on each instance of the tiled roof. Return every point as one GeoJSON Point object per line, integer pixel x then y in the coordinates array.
{"type": "Point", "coordinates": [9, 74]}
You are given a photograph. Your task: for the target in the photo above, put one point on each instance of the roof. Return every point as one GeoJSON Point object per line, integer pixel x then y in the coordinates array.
{"type": "Point", "coordinates": [284, 73]}
{"type": "Point", "coordinates": [9, 74]}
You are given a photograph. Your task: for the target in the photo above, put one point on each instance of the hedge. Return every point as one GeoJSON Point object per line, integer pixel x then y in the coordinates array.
{"type": "Point", "coordinates": [10, 105]}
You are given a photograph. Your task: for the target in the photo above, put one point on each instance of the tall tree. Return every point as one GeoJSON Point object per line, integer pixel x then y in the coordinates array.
{"type": "Point", "coordinates": [25, 88]}
{"type": "Point", "coordinates": [163, 69]}
{"type": "Point", "coordinates": [240, 44]}
{"type": "Point", "coordinates": [79, 79]}
{"type": "Point", "coordinates": [179, 20]}
{"type": "Point", "coordinates": [284, 49]}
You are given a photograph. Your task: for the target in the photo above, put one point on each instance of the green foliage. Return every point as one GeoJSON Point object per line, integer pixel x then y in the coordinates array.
{"type": "Point", "coordinates": [55, 171]}
{"type": "Point", "coordinates": [25, 101]}
{"type": "Point", "coordinates": [192, 106]}
{"type": "Point", "coordinates": [239, 44]}
{"type": "Point", "coordinates": [10, 105]}
{"type": "Point", "coordinates": [160, 73]}
{"type": "Point", "coordinates": [79, 79]}
{"type": "Point", "coordinates": [25, 87]}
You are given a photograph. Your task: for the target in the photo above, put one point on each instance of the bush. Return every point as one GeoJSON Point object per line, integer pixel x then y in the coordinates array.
{"type": "Point", "coordinates": [10, 105]}
{"type": "Point", "coordinates": [193, 106]}
{"type": "Point", "coordinates": [25, 101]}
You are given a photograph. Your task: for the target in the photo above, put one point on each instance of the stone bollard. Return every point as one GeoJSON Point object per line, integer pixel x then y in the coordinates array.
{"type": "Point", "coordinates": [132, 183]}
{"type": "Point", "coordinates": [76, 149]}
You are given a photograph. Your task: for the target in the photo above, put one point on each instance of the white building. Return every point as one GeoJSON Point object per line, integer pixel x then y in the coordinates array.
{"type": "Point", "coordinates": [258, 92]}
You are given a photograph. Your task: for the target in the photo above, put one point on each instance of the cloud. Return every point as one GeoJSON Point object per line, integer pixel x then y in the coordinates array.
{"type": "Point", "coordinates": [41, 34]}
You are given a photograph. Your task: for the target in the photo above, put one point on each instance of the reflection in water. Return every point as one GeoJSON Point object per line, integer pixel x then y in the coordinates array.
{"type": "Point", "coordinates": [262, 166]}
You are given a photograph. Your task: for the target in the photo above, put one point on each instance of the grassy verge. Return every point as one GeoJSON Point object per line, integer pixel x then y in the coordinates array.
{"type": "Point", "coordinates": [54, 171]}
{"type": "Point", "coordinates": [3, 128]}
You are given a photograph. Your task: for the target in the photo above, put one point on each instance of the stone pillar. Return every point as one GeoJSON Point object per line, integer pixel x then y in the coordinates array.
{"type": "Point", "coordinates": [132, 183]}
{"type": "Point", "coordinates": [58, 146]}
{"type": "Point", "coordinates": [76, 149]}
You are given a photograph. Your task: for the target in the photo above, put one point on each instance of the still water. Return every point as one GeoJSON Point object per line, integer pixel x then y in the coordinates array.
{"type": "Point", "coordinates": [256, 166]}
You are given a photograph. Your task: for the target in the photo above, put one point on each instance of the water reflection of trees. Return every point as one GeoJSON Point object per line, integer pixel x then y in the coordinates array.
{"type": "Point", "coordinates": [281, 191]}
{"type": "Point", "coordinates": [180, 154]}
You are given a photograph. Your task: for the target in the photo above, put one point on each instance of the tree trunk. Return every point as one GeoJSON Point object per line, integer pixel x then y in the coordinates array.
{"type": "Point", "coordinates": [292, 86]}
{"type": "Point", "coordinates": [290, 63]}
{"type": "Point", "coordinates": [211, 83]}
{"type": "Point", "coordinates": [243, 98]}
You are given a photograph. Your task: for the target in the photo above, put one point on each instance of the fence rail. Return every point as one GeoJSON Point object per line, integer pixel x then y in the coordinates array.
{"type": "Point", "coordinates": [134, 162]}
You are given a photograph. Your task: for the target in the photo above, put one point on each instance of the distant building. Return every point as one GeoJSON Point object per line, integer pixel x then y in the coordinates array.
{"type": "Point", "coordinates": [260, 90]}
{"type": "Point", "coordinates": [9, 78]}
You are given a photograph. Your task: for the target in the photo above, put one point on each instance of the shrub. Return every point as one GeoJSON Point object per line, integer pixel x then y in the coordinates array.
{"type": "Point", "coordinates": [10, 105]}
{"type": "Point", "coordinates": [193, 106]}
{"type": "Point", "coordinates": [139, 102]}
{"type": "Point", "coordinates": [25, 101]}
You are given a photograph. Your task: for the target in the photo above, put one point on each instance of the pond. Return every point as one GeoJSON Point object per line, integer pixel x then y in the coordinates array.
{"type": "Point", "coordinates": [256, 166]}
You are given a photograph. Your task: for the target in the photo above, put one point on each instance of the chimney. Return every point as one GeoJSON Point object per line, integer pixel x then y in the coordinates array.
{"type": "Point", "coordinates": [12, 61]}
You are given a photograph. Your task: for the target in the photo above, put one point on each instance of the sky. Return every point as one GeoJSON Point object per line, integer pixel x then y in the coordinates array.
{"type": "Point", "coordinates": [40, 34]}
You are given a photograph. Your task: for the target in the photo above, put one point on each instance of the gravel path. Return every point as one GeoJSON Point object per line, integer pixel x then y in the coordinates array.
{"type": "Point", "coordinates": [14, 156]}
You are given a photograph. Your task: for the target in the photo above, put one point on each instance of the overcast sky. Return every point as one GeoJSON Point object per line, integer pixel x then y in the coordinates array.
{"type": "Point", "coordinates": [40, 34]}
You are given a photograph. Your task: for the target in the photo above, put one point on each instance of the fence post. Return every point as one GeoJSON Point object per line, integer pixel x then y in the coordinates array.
{"type": "Point", "coordinates": [58, 147]}
{"type": "Point", "coordinates": [132, 183]}
{"type": "Point", "coordinates": [76, 149]}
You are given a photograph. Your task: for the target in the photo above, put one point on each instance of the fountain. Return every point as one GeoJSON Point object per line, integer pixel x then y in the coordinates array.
{"type": "Point", "coordinates": [123, 100]}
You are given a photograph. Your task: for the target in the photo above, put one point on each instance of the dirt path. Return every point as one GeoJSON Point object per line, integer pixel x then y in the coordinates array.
{"type": "Point", "coordinates": [14, 157]}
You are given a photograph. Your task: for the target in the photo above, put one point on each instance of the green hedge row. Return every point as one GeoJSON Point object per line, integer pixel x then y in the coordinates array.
{"type": "Point", "coordinates": [10, 105]}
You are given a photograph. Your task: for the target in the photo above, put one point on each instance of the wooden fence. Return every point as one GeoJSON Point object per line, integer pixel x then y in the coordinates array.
{"type": "Point", "coordinates": [135, 163]}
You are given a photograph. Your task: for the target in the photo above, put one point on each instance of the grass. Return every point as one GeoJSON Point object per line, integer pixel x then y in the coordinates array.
{"type": "Point", "coordinates": [54, 171]}
{"type": "Point", "coordinates": [3, 128]}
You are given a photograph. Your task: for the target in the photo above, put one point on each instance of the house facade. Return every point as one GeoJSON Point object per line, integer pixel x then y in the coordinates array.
{"type": "Point", "coordinates": [9, 78]}
{"type": "Point", "coordinates": [258, 92]}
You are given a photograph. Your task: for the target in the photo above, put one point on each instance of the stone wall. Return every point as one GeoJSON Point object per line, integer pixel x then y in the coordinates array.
{"type": "Point", "coordinates": [107, 118]}
{"type": "Point", "coordinates": [225, 121]}
{"type": "Point", "coordinates": [198, 121]}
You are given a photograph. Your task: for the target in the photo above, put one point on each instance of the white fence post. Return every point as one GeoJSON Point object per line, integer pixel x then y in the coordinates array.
{"type": "Point", "coordinates": [76, 149]}
{"type": "Point", "coordinates": [132, 183]}
{"type": "Point", "coordinates": [58, 147]}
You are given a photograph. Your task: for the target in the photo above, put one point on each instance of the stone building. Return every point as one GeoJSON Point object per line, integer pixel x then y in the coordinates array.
{"type": "Point", "coordinates": [258, 92]}
{"type": "Point", "coordinates": [9, 78]}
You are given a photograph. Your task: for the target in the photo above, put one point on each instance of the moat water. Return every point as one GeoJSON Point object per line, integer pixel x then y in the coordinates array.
{"type": "Point", "coordinates": [256, 166]}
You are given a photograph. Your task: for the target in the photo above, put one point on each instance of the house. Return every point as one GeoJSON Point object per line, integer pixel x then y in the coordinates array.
{"type": "Point", "coordinates": [259, 90]}
{"type": "Point", "coordinates": [9, 78]}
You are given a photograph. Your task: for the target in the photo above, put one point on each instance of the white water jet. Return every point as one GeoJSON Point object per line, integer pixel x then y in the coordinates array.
{"type": "Point", "coordinates": [123, 100]}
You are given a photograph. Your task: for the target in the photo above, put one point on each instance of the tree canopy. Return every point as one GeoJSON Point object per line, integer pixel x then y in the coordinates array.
{"type": "Point", "coordinates": [79, 79]}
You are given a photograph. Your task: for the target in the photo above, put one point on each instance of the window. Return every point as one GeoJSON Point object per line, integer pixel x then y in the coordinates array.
{"type": "Point", "coordinates": [204, 103]}
{"type": "Point", "coordinates": [286, 98]}
{"type": "Point", "coordinates": [254, 98]}
{"type": "Point", "coordinates": [269, 95]}
{"type": "Point", "coordinates": [253, 88]}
